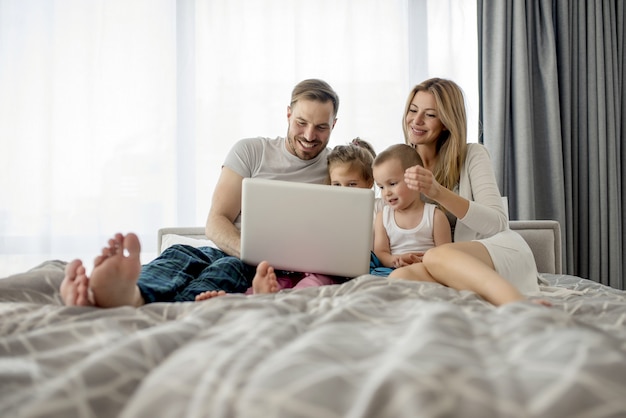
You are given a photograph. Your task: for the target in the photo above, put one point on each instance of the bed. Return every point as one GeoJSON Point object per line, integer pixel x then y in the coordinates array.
{"type": "Point", "coordinates": [370, 347]}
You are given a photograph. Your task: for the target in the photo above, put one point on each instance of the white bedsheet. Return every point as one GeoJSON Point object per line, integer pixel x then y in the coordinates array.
{"type": "Point", "coordinates": [368, 348]}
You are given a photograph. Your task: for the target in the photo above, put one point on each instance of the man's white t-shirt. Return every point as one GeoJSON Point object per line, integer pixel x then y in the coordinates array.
{"type": "Point", "coordinates": [269, 159]}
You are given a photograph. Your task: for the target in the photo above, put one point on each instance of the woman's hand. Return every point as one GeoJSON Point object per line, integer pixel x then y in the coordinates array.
{"type": "Point", "coordinates": [423, 180]}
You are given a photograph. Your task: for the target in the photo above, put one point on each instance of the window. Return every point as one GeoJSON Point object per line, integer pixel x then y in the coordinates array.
{"type": "Point", "coordinates": [116, 116]}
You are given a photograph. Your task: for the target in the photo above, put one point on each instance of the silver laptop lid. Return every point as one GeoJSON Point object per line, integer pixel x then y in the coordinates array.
{"type": "Point", "coordinates": [308, 228]}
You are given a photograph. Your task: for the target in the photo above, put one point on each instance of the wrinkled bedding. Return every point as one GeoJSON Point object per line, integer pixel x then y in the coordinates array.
{"type": "Point", "coordinates": [370, 347]}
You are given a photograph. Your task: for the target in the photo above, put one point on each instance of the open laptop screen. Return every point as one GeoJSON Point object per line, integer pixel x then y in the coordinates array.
{"type": "Point", "coordinates": [307, 228]}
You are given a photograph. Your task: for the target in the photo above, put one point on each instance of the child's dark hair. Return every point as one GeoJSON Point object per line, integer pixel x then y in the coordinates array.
{"type": "Point", "coordinates": [406, 154]}
{"type": "Point", "coordinates": [359, 154]}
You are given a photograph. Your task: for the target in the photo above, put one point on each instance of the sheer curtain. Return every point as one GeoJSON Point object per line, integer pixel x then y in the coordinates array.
{"type": "Point", "coordinates": [87, 122]}
{"type": "Point", "coordinates": [116, 115]}
{"type": "Point", "coordinates": [443, 43]}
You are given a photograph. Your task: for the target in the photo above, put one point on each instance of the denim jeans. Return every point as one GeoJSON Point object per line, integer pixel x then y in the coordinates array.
{"type": "Point", "coordinates": [377, 268]}
{"type": "Point", "coordinates": [181, 272]}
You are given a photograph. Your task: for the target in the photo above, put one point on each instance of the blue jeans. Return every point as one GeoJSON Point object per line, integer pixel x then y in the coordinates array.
{"type": "Point", "coordinates": [377, 268]}
{"type": "Point", "coordinates": [181, 272]}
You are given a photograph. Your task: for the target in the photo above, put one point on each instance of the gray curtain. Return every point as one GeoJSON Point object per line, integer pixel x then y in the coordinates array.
{"type": "Point", "coordinates": [552, 113]}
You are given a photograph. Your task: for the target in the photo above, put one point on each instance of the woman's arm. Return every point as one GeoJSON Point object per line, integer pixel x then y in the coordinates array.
{"type": "Point", "coordinates": [422, 179]}
{"type": "Point", "coordinates": [486, 213]}
{"type": "Point", "coordinates": [478, 204]}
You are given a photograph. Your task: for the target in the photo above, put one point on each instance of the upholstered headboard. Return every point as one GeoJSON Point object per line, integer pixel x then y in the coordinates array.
{"type": "Point", "coordinates": [543, 237]}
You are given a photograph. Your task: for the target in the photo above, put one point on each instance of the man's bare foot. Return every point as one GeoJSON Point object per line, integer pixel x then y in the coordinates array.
{"type": "Point", "coordinates": [114, 277]}
{"type": "Point", "coordinates": [74, 287]}
{"type": "Point", "coordinates": [265, 279]}
{"type": "Point", "coordinates": [209, 294]}
{"type": "Point", "coordinates": [106, 252]}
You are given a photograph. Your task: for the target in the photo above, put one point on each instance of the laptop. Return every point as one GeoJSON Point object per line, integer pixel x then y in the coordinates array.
{"type": "Point", "coordinates": [309, 228]}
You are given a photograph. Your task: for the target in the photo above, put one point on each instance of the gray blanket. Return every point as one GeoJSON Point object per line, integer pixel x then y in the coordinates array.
{"type": "Point", "coordinates": [368, 348]}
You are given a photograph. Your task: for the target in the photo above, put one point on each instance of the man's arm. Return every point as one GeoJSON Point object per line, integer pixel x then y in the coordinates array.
{"type": "Point", "coordinates": [225, 207]}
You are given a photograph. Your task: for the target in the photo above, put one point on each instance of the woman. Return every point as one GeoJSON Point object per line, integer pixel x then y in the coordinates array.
{"type": "Point", "coordinates": [486, 257]}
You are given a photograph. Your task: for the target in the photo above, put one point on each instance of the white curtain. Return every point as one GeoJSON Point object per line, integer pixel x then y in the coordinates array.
{"type": "Point", "coordinates": [115, 115]}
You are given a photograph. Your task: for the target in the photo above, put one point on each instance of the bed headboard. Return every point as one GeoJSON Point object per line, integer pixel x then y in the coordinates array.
{"type": "Point", "coordinates": [543, 237]}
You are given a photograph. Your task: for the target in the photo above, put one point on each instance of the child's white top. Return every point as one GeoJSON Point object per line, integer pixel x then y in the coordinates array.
{"type": "Point", "coordinates": [418, 239]}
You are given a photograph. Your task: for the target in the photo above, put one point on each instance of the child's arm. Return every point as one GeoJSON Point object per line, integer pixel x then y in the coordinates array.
{"type": "Point", "coordinates": [441, 228]}
{"type": "Point", "coordinates": [382, 248]}
{"type": "Point", "coordinates": [381, 242]}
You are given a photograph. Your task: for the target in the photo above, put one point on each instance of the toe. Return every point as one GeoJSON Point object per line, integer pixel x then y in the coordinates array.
{"type": "Point", "coordinates": [70, 269]}
{"type": "Point", "coordinates": [263, 268]}
{"type": "Point", "coordinates": [98, 260]}
{"type": "Point", "coordinates": [132, 245]}
{"type": "Point", "coordinates": [81, 294]}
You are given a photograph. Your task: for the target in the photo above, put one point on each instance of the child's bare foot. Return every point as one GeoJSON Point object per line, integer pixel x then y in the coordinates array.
{"type": "Point", "coordinates": [265, 279]}
{"type": "Point", "coordinates": [209, 294]}
{"type": "Point", "coordinates": [75, 284]}
{"type": "Point", "coordinates": [542, 302]}
{"type": "Point", "coordinates": [114, 278]}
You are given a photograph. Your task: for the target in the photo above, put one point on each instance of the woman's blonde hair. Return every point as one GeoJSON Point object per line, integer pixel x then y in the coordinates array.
{"type": "Point", "coordinates": [452, 144]}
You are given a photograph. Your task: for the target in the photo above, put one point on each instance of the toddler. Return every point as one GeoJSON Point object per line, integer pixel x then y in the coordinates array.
{"type": "Point", "coordinates": [407, 226]}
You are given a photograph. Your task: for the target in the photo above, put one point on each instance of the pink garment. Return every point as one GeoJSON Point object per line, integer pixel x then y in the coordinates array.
{"type": "Point", "coordinates": [312, 280]}
{"type": "Point", "coordinates": [309, 280]}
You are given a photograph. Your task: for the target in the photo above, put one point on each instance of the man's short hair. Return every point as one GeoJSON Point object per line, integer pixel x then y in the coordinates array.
{"type": "Point", "coordinates": [315, 89]}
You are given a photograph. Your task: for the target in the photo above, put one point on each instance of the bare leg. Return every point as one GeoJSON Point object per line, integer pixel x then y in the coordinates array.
{"type": "Point", "coordinates": [415, 271]}
{"type": "Point", "coordinates": [265, 279]}
{"type": "Point", "coordinates": [114, 278]}
{"type": "Point", "coordinates": [464, 266]}
{"type": "Point", "coordinates": [542, 302]}
{"type": "Point", "coordinates": [209, 294]}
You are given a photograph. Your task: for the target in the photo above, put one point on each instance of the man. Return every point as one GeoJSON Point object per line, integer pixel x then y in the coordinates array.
{"type": "Point", "coordinates": [182, 272]}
